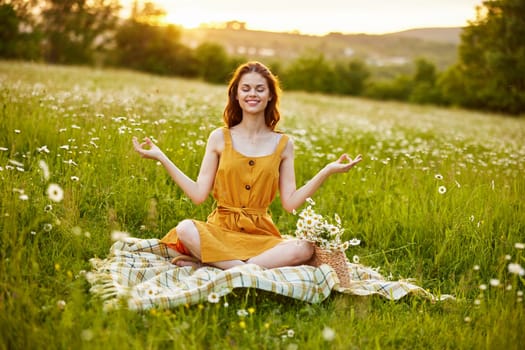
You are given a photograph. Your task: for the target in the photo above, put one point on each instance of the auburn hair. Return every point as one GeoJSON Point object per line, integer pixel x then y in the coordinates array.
{"type": "Point", "coordinates": [233, 113]}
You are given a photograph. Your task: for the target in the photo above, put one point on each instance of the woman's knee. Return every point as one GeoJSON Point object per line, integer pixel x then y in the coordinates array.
{"type": "Point", "coordinates": [302, 251]}
{"type": "Point", "coordinates": [186, 231]}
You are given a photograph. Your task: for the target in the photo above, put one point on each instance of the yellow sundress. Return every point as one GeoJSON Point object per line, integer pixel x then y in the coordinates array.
{"type": "Point", "coordinates": [240, 226]}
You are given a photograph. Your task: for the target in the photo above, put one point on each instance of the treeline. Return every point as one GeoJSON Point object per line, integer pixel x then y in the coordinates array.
{"type": "Point", "coordinates": [489, 73]}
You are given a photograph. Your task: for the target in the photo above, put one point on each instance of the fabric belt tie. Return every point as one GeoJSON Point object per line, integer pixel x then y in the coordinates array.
{"type": "Point", "coordinates": [244, 221]}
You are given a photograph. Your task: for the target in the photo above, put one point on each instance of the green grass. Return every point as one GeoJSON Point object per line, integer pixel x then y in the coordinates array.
{"type": "Point", "coordinates": [450, 243]}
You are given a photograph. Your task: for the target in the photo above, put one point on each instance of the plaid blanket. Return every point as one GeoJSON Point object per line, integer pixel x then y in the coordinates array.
{"type": "Point", "coordinates": [138, 273]}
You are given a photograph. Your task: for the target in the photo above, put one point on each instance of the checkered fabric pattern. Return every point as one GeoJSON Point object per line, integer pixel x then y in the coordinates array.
{"type": "Point", "coordinates": [138, 273]}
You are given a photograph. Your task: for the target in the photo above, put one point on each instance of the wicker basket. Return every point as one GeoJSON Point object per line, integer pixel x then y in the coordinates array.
{"type": "Point", "coordinates": [336, 259]}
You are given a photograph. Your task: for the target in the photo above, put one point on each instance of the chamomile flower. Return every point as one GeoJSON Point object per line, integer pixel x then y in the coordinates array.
{"type": "Point", "coordinates": [354, 241]}
{"type": "Point", "coordinates": [315, 228]}
{"type": "Point", "coordinates": [242, 313]}
{"type": "Point", "coordinates": [213, 298]}
{"type": "Point", "coordinates": [328, 334]}
{"type": "Point", "coordinates": [16, 163]}
{"type": "Point", "coordinates": [442, 189]}
{"type": "Point", "coordinates": [494, 282]}
{"type": "Point", "coordinates": [55, 192]}
{"type": "Point", "coordinates": [119, 235]}
{"type": "Point", "coordinates": [42, 149]}
{"type": "Point", "coordinates": [516, 269]}
{"type": "Point", "coordinates": [77, 231]}
{"type": "Point", "coordinates": [86, 335]}
{"type": "Point", "coordinates": [61, 304]}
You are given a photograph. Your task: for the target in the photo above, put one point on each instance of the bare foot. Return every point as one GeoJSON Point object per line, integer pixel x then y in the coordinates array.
{"type": "Point", "coordinates": [186, 260]}
{"type": "Point", "coordinates": [183, 263]}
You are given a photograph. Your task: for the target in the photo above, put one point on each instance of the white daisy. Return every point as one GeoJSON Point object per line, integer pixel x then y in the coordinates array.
{"type": "Point", "coordinates": [516, 269]}
{"type": "Point", "coordinates": [354, 241]}
{"type": "Point", "coordinates": [45, 169]}
{"type": "Point", "coordinates": [213, 298]}
{"type": "Point", "coordinates": [55, 192]}
{"type": "Point", "coordinates": [328, 334]}
{"type": "Point", "coordinates": [119, 235]}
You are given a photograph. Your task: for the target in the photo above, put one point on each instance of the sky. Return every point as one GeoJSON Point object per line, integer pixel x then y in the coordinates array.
{"type": "Point", "coordinates": [323, 16]}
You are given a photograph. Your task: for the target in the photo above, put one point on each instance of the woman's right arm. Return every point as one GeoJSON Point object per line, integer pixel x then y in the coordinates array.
{"type": "Point", "coordinates": [198, 190]}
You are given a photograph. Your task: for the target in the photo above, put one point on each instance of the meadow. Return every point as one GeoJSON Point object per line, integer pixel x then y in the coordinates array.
{"type": "Point", "coordinates": [438, 198]}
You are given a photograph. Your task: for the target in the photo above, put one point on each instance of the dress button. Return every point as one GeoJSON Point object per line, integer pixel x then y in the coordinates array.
{"type": "Point", "coordinates": [247, 187]}
{"type": "Point", "coordinates": [251, 162]}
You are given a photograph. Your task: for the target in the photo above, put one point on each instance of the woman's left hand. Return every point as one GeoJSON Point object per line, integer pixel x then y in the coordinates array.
{"type": "Point", "coordinates": [343, 164]}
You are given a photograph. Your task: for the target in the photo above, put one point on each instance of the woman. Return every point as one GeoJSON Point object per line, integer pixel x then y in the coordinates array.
{"type": "Point", "coordinates": [244, 164]}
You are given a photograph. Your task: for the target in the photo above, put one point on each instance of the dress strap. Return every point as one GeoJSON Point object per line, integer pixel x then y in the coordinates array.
{"type": "Point", "coordinates": [227, 137]}
{"type": "Point", "coordinates": [282, 144]}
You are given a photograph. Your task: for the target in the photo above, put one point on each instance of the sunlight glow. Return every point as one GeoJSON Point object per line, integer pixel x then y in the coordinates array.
{"type": "Point", "coordinates": [345, 16]}
{"type": "Point", "coordinates": [187, 20]}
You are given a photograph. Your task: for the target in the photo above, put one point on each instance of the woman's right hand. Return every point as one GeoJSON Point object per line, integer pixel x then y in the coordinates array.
{"type": "Point", "coordinates": [147, 149]}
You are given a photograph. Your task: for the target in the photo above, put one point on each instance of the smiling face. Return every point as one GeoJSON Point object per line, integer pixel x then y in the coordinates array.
{"type": "Point", "coordinates": [252, 89]}
{"type": "Point", "coordinates": [253, 93]}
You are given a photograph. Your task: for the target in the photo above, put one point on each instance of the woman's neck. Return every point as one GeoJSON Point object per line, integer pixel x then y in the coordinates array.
{"type": "Point", "coordinates": [252, 125]}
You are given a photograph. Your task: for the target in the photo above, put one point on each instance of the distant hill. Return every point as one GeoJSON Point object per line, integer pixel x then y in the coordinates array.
{"type": "Point", "coordinates": [438, 45]}
{"type": "Point", "coordinates": [444, 35]}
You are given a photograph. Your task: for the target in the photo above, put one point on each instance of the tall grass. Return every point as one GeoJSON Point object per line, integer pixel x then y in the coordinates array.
{"type": "Point", "coordinates": [438, 198]}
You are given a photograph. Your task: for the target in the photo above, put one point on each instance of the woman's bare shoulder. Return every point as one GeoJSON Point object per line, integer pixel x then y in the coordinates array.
{"type": "Point", "coordinates": [216, 139]}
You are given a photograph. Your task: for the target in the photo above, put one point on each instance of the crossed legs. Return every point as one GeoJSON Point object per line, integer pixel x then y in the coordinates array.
{"type": "Point", "coordinates": [287, 253]}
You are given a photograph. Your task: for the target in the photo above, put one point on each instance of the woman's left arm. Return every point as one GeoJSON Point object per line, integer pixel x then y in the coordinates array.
{"type": "Point", "coordinates": [291, 197]}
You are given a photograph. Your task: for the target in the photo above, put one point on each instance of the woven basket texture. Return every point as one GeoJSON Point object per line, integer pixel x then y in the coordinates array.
{"type": "Point", "coordinates": [336, 259]}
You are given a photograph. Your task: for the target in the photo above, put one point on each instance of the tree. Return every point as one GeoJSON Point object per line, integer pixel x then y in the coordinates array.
{"type": "Point", "coordinates": [214, 64]}
{"type": "Point", "coordinates": [424, 87]}
{"type": "Point", "coordinates": [19, 34]}
{"type": "Point", "coordinates": [490, 72]}
{"type": "Point", "coordinates": [143, 43]}
{"type": "Point", "coordinates": [310, 72]}
{"type": "Point", "coordinates": [398, 89]}
{"type": "Point", "coordinates": [351, 77]}
{"type": "Point", "coordinates": [77, 29]}
{"type": "Point", "coordinates": [154, 49]}
{"type": "Point", "coordinates": [149, 13]}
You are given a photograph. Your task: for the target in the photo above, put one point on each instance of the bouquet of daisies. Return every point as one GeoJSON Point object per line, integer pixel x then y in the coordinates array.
{"type": "Point", "coordinates": [324, 233]}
